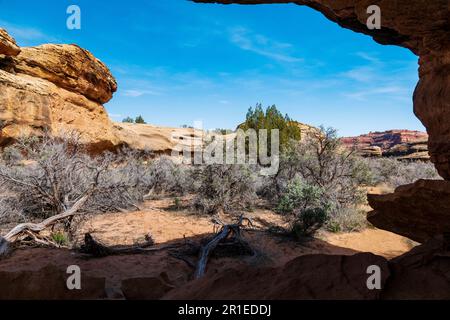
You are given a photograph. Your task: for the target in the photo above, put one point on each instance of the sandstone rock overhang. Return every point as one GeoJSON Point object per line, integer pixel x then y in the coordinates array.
{"type": "Point", "coordinates": [8, 45]}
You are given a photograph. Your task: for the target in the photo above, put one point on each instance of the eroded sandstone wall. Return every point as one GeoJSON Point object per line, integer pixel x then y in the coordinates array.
{"type": "Point", "coordinates": [54, 88]}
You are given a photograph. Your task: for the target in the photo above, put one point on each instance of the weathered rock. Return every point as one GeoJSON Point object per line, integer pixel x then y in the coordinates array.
{"type": "Point", "coordinates": [161, 140]}
{"type": "Point", "coordinates": [422, 273]}
{"type": "Point", "coordinates": [306, 277]}
{"type": "Point", "coordinates": [405, 144]}
{"type": "Point", "coordinates": [371, 151]}
{"type": "Point", "coordinates": [421, 26]}
{"type": "Point", "coordinates": [55, 88]}
{"type": "Point", "coordinates": [69, 67]}
{"type": "Point", "coordinates": [29, 105]}
{"type": "Point", "coordinates": [48, 283]}
{"type": "Point", "coordinates": [8, 46]}
{"type": "Point", "coordinates": [419, 211]}
{"type": "Point", "coordinates": [146, 288]}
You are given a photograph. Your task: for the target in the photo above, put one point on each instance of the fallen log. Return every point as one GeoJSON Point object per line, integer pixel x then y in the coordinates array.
{"type": "Point", "coordinates": [35, 228]}
{"type": "Point", "coordinates": [206, 251]}
{"type": "Point", "coordinates": [227, 230]}
{"type": "Point", "coordinates": [98, 250]}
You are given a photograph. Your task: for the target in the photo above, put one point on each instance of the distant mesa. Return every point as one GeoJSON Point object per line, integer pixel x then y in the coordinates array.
{"type": "Point", "coordinates": [402, 144]}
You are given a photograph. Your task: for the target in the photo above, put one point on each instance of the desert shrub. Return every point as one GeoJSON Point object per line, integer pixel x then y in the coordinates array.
{"type": "Point", "coordinates": [333, 174]}
{"type": "Point", "coordinates": [167, 177]}
{"type": "Point", "coordinates": [54, 173]}
{"type": "Point", "coordinates": [299, 196]}
{"type": "Point", "coordinates": [395, 173]}
{"type": "Point", "coordinates": [227, 188]}
{"type": "Point", "coordinates": [346, 219]}
{"type": "Point", "coordinates": [321, 161]}
{"type": "Point", "coordinates": [308, 222]}
{"type": "Point", "coordinates": [304, 207]}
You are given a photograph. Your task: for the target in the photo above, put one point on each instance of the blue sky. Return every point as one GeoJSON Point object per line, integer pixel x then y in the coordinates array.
{"type": "Point", "coordinates": [177, 62]}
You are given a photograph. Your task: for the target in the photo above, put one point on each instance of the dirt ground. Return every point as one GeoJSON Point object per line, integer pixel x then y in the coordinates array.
{"type": "Point", "coordinates": [164, 223]}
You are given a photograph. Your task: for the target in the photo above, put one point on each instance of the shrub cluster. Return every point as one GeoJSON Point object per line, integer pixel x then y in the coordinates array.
{"type": "Point", "coordinates": [227, 188]}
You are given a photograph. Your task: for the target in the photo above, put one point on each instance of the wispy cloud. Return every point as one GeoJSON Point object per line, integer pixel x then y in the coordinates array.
{"type": "Point", "coordinates": [262, 45]}
{"type": "Point", "coordinates": [135, 93]}
{"type": "Point", "coordinates": [24, 34]}
{"type": "Point", "coordinates": [381, 92]}
{"type": "Point", "coordinates": [361, 74]}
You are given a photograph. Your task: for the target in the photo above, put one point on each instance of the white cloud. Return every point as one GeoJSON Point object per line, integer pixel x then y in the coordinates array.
{"type": "Point", "coordinates": [26, 34]}
{"type": "Point", "coordinates": [135, 93]}
{"type": "Point", "coordinates": [381, 92]}
{"type": "Point", "coordinates": [261, 45]}
{"type": "Point", "coordinates": [361, 74]}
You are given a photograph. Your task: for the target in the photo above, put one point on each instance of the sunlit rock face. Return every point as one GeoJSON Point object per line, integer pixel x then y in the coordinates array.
{"type": "Point", "coordinates": [54, 88]}
{"type": "Point", "coordinates": [402, 144]}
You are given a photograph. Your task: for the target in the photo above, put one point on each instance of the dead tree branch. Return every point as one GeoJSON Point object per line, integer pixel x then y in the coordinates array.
{"type": "Point", "coordinates": [232, 231]}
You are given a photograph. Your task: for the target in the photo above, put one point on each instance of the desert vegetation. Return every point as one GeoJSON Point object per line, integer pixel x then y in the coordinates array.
{"type": "Point", "coordinates": [319, 185]}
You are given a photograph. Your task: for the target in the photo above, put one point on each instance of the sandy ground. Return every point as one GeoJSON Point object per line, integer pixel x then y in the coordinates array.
{"type": "Point", "coordinates": [165, 224]}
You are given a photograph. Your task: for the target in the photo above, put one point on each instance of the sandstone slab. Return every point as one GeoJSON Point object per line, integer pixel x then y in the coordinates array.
{"type": "Point", "coordinates": [419, 211]}
{"type": "Point", "coordinates": [8, 46]}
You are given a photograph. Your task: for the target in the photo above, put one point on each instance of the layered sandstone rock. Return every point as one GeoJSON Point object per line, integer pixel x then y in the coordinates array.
{"type": "Point", "coordinates": [418, 211]}
{"type": "Point", "coordinates": [69, 67]}
{"type": "Point", "coordinates": [8, 45]}
{"type": "Point", "coordinates": [404, 144]}
{"type": "Point", "coordinates": [55, 88]}
{"type": "Point", "coordinates": [161, 140]}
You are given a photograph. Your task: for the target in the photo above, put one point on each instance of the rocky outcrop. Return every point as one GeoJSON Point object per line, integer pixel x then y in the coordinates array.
{"type": "Point", "coordinates": [55, 88]}
{"type": "Point", "coordinates": [403, 144]}
{"type": "Point", "coordinates": [8, 45]}
{"type": "Point", "coordinates": [47, 283]}
{"type": "Point", "coordinates": [324, 277]}
{"type": "Point", "coordinates": [419, 211]}
{"type": "Point", "coordinates": [421, 274]}
{"type": "Point", "coordinates": [161, 140]}
{"type": "Point", "coordinates": [69, 67]}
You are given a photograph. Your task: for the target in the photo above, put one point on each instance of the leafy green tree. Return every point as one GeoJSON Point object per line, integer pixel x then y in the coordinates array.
{"type": "Point", "coordinates": [271, 119]}
{"type": "Point", "coordinates": [140, 120]}
{"type": "Point", "coordinates": [128, 120]}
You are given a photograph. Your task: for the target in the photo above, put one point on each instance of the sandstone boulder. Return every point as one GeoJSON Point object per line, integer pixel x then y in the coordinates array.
{"type": "Point", "coordinates": [326, 277]}
{"type": "Point", "coordinates": [8, 46]}
{"type": "Point", "coordinates": [69, 67]}
{"type": "Point", "coordinates": [153, 288]}
{"type": "Point", "coordinates": [55, 88]}
{"type": "Point", "coordinates": [47, 283]}
{"type": "Point", "coordinates": [419, 211]}
{"type": "Point", "coordinates": [161, 140]}
{"type": "Point", "coordinates": [30, 105]}
{"type": "Point", "coordinates": [421, 274]}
